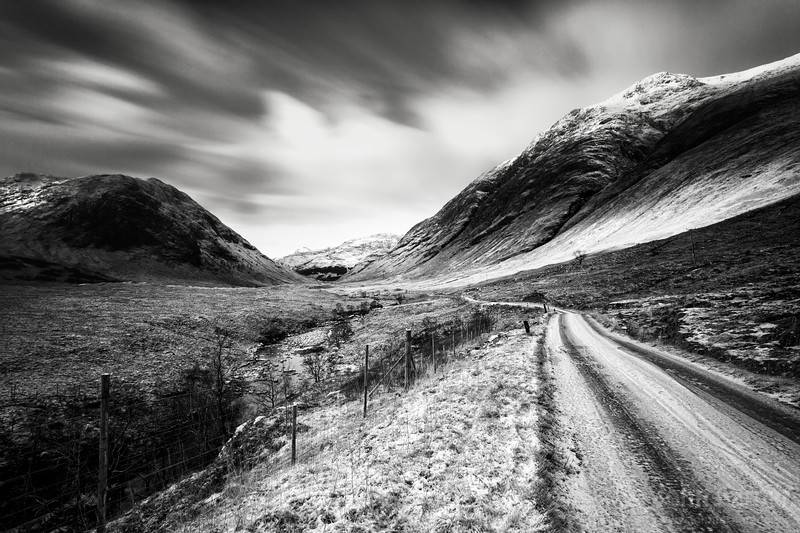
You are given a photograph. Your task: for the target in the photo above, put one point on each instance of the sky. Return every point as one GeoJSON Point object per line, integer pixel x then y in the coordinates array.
{"type": "Point", "coordinates": [307, 123]}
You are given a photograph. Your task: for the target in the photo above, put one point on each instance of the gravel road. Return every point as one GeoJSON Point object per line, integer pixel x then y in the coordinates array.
{"type": "Point", "coordinates": [665, 445]}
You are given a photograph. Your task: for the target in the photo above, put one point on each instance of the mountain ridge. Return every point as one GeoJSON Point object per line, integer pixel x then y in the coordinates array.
{"type": "Point", "coordinates": [117, 227]}
{"type": "Point", "coordinates": [666, 140]}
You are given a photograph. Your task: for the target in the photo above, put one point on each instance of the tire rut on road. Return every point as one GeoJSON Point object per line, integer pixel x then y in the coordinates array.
{"type": "Point", "coordinates": [691, 508]}
{"type": "Point", "coordinates": [551, 492]}
{"type": "Point", "coordinates": [783, 419]}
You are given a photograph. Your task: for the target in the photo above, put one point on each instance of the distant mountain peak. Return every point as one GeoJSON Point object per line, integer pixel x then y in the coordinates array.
{"type": "Point", "coordinates": [329, 264]}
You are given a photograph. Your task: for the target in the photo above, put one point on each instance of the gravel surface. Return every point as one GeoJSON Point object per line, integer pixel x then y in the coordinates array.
{"type": "Point", "coordinates": [661, 451]}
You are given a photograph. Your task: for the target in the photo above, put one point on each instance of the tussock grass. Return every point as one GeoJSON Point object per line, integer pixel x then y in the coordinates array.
{"type": "Point", "coordinates": [457, 453]}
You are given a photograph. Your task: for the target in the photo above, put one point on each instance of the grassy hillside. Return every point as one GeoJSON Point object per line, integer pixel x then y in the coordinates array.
{"type": "Point", "coordinates": [670, 152]}
{"type": "Point", "coordinates": [116, 227]}
{"type": "Point", "coordinates": [59, 338]}
{"type": "Point", "coordinates": [459, 452]}
{"type": "Point", "coordinates": [730, 291]}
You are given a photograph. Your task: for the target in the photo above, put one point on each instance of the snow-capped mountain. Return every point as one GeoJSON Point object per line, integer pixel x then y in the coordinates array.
{"type": "Point", "coordinates": [332, 263]}
{"type": "Point", "coordinates": [114, 227]}
{"type": "Point", "coordinates": [669, 153]}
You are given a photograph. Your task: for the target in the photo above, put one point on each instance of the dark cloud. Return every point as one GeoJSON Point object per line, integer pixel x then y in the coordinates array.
{"type": "Point", "coordinates": [246, 207]}
{"type": "Point", "coordinates": [61, 152]}
{"type": "Point", "coordinates": [58, 28]}
{"type": "Point", "coordinates": [385, 53]}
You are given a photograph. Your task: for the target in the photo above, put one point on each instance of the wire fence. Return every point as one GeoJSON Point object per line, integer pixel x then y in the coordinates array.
{"type": "Point", "coordinates": [73, 473]}
{"type": "Point", "coordinates": [51, 475]}
{"type": "Point", "coordinates": [398, 363]}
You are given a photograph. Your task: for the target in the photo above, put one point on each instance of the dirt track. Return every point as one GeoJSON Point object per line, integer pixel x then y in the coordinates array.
{"type": "Point", "coordinates": [665, 445]}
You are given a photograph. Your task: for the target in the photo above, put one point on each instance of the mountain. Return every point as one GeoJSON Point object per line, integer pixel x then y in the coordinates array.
{"type": "Point", "coordinates": [332, 263]}
{"type": "Point", "coordinates": [670, 153]}
{"type": "Point", "coordinates": [115, 227]}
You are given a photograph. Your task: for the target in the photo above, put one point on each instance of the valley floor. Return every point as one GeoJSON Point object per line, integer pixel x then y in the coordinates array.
{"type": "Point", "coordinates": [571, 429]}
{"type": "Point", "coordinates": [577, 427]}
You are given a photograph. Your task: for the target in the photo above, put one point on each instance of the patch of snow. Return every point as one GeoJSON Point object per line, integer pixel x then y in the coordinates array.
{"type": "Point", "coordinates": [773, 68]}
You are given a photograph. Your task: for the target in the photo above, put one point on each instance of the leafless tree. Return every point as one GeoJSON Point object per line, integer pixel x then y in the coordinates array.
{"type": "Point", "coordinates": [340, 332]}
{"type": "Point", "coordinates": [579, 258]}
{"type": "Point", "coordinates": [268, 374]}
{"type": "Point", "coordinates": [226, 364]}
{"type": "Point", "coordinates": [220, 365]}
{"type": "Point", "coordinates": [316, 363]}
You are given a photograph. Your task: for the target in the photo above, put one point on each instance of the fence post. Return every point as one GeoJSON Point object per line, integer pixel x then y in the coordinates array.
{"type": "Point", "coordinates": [102, 463]}
{"type": "Point", "coordinates": [453, 337]}
{"type": "Point", "coordinates": [294, 433]}
{"type": "Point", "coordinates": [527, 327]}
{"type": "Point", "coordinates": [366, 379]}
{"type": "Point", "coordinates": [408, 356]}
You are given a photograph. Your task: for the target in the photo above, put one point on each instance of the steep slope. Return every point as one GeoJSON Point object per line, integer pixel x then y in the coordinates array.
{"type": "Point", "coordinates": [670, 153]}
{"type": "Point", "coordinates": [114, 227]}
{"type": "Point", "coordinates": [729, 291]}
{"type": "Point", "coordinates": [330, 264]}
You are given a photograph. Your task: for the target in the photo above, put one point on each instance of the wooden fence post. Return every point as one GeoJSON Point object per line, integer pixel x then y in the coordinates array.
{"type": "Point", "coordinates": [408, 356]}
{"type": "Point", "coordinates": [366, 378]}
{"type": "Point", "coordinates": [102, 463]}
{"type": "Point", "coordinates": [294, 433]}
{"type": "Point", "coordinates": [527, 327]}
{"type": "Point", "coordinates": [453, 338]}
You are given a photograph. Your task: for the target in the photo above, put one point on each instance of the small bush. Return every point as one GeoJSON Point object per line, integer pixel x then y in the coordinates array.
{"type": "Point", "coordinates": [272, 331]}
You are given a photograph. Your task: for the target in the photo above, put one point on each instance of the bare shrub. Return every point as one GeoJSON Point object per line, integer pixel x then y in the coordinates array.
{"type": "Point", "coordinates": [579, 256]}
{"type": "Point", "coordinates": [316, 363]}
{"type": "Point", "coordinates": [340, 332]}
